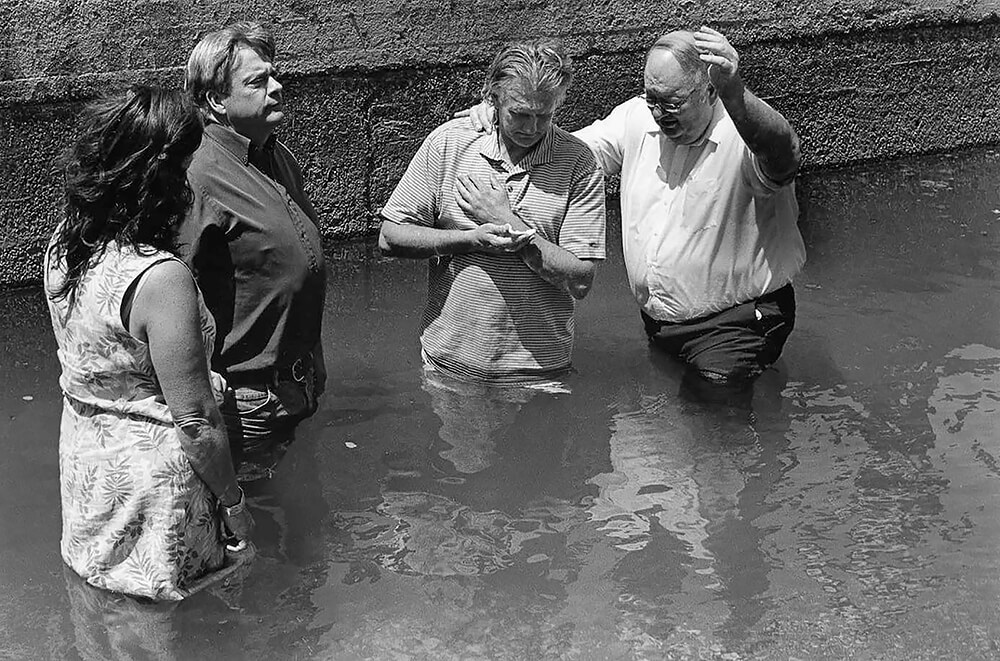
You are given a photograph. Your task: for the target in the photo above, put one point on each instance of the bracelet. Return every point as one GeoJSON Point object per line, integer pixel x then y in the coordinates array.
{"type": "Point", "coordinates": [238, 508]}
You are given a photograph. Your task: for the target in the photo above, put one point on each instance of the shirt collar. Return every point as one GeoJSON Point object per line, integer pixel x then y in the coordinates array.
{"type": "Point", "coordinates": [238, 145]}
{"type": "Point", "coordinates": [540, 154]}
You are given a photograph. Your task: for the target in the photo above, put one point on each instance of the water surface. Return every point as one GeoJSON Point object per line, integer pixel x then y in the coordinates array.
{"type": "Point", "coordinates": [847, 508]}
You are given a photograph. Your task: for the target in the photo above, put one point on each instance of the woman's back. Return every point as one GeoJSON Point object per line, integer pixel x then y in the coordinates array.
{"type": "Point", "coordinates": [102, 363]}
{"type": "Point", "coordinates": [136, 517]}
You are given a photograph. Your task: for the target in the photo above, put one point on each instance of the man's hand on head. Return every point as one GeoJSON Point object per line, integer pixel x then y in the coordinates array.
{"type": "Point", "coordinates": [481, 116]}
{"type": "Point", "coordinates": [723, 60]}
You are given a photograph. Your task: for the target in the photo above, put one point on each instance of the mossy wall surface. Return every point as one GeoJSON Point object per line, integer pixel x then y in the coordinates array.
{"type": "Point", "coordinates": [365, 81]}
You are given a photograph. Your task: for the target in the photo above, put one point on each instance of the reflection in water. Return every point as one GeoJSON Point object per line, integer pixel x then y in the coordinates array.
{"type": "Point", "coordinates": [424, 534]}
{"type": "Point", "coordinates": [119, 628]}
{"type": "Point", "coordinates": [652, 456]}
{"type": "Point", "coordinates": [690, 473]}
{"type": "Point", "coordinates": [471, 414]}
{"type": "Point", "coordinates": [435, 518]}
{"type": "Point", "coordinates": [964, 414]}
{"type": "Point", "coordinates": [113, 627]}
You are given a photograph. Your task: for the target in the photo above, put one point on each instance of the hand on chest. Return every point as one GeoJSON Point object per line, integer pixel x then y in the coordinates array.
{"type": "Point", "coordinates": [480, 195]}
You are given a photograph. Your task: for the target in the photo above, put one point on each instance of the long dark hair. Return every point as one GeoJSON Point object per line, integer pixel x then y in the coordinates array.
{"type": "Point", "coordinates": [125, 178]}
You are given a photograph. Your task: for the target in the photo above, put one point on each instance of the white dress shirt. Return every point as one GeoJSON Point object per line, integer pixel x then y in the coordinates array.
{"type": "Point", "coordinates": [703, 228]}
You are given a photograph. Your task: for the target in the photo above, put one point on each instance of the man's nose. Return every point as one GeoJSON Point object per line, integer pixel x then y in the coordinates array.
{"type": "Point", "coordinates": [275, 86]}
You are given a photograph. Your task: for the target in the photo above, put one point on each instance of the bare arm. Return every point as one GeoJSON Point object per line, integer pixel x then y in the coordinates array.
{"type": "Point", "coordinates": [768, 134]}
{"type": "Point", "coordinates": [165, 315]}
{"type": "Point", "coordinates": [559, 267]}
{"type": "Point", "coordinates": [418, 242]}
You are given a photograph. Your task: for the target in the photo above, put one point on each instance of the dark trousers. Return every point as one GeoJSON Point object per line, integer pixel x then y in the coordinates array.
{"type": "Point", "coordinates": [732, 346]}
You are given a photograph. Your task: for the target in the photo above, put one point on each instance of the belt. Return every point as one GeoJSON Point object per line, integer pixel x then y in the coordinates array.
{"type": "Point", "coordinates": [298, 371]}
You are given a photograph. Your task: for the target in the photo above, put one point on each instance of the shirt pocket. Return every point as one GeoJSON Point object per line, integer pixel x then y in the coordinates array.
{"type": "Point", "coordinates": [701, 198]}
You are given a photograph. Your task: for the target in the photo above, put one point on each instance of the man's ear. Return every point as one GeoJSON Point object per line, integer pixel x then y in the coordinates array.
{"type": "Point", "coordinates": [713, 95]}
{"type": "Point", "coordinates": [215, 103]}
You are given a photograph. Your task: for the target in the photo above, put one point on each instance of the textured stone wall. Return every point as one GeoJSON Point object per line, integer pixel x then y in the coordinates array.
{"type": "Point", "coordinates": [365, 81]}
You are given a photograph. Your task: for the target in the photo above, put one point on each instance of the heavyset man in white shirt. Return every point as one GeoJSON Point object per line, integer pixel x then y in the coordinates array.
{"type": "Point", "coordinates": [709, 215]}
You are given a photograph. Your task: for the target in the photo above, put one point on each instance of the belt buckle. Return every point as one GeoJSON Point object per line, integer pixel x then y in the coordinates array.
{"type": "Point", "coordinates": [299, 371]}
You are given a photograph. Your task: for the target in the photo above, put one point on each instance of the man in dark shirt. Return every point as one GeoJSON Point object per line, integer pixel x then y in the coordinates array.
{"type": "Point", "coordinates": [252, 239]}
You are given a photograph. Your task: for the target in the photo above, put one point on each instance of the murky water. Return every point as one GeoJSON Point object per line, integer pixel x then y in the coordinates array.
{"type": "Point", "coordinates": [848, 509]}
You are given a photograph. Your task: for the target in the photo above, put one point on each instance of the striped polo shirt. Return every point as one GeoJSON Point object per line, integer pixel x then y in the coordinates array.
{"type": "Point", "coordinates": [490, 317]}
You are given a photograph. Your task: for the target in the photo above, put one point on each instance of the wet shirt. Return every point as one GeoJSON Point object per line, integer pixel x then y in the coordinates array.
{"type": "Point", "coordinates": [703, 228]}
{"type": "Point", "coordinates": [252, 239]}
{"type": "Point", "coordinates": [490, 317]}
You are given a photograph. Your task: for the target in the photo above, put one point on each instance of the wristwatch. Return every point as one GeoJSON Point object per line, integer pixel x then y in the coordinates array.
{"type": "Point", "coordinates": [237, 509]}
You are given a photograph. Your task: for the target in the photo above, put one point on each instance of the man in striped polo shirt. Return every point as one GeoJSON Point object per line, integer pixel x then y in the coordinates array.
{"type": "Point", "coordinates": [512, 222]}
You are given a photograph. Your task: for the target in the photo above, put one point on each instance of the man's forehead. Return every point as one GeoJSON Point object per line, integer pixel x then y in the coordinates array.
{"type": "Point", "coordinates": [530, 102]}
{"type": "Point", "coordinates": [663, 70]}
{"type": "Point", "coordinates": [248, 61]}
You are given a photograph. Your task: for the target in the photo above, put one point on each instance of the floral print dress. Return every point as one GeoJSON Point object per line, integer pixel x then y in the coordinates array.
{"type": "Point", "coordinates": [136, 518]}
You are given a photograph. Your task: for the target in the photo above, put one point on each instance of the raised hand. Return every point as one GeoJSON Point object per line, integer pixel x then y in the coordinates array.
{"type": "Point", "coordinates": [723, 60]}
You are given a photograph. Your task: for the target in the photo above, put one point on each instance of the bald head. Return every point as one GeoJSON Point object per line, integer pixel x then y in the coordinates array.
{"type": "Point", "coordinates": [680, 44]}
{"type": "Point", "coordinates": [679, 92]}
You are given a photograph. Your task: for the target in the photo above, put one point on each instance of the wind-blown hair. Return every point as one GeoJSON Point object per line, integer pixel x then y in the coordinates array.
{"type": "Point", "coordinates": [540, 66]}
{"type": "Point", "coordinates": [210, 65]}
{"type": "Point", "coordinates": [125, 178]}
{"type": "Point", "coordinates": [680, 43]}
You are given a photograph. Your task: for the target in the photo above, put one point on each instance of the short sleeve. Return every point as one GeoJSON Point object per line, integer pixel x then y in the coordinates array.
{"type": "Point", "coordinates": [606, 138]}
{"type": "Point", "coordinates": [414, 201]}
{"type": "Point", "coordinates": [759, 182]}
{"type": "Point", "coordinates": [583, 228]}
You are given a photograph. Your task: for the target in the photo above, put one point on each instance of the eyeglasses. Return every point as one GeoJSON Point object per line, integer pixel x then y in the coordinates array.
{"type": "Point", "coordinates": [664, 107]}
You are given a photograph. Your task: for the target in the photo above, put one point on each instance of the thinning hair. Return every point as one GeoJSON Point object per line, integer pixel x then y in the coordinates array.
{"type": "Point", "coordinates": [210, 66]}
{"type": "Point", "coordinates": [539, 66]}
{"type": "Point", "coordinates": [125, 178]}
{"type": "Point", "coordinates": [680, 43]}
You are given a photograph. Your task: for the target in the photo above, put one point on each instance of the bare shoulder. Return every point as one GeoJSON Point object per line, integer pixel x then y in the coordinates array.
{"type": "Point", "coordinates": [167, 282]}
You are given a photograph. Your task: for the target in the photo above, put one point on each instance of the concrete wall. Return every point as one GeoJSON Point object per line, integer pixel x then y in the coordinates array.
{"type": "Point", "coordinates": [365, 80]}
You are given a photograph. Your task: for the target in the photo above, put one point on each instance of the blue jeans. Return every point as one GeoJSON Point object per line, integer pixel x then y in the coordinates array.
{"type": "Point", "coordinates": [261, 420]}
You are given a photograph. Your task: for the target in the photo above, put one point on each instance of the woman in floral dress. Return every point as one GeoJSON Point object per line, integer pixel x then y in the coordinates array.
{"type": "Point", "coordinates": [149, 495]}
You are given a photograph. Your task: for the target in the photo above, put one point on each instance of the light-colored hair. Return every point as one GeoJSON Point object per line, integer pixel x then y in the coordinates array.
{"type": "Point", "coordinates": [680, 43]}
{"type": "Point", "coordinates": [210, 66]}
{"type": "Point", "coordinates": [540, 66]}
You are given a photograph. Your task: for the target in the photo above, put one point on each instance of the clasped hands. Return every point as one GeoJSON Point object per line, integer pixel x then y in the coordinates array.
{"type": "Point", "coordinates": [485, 202]}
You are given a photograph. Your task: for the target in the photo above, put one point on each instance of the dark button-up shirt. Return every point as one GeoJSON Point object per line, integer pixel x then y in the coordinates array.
{"type": "Point", "coordinates": [252, 240]}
